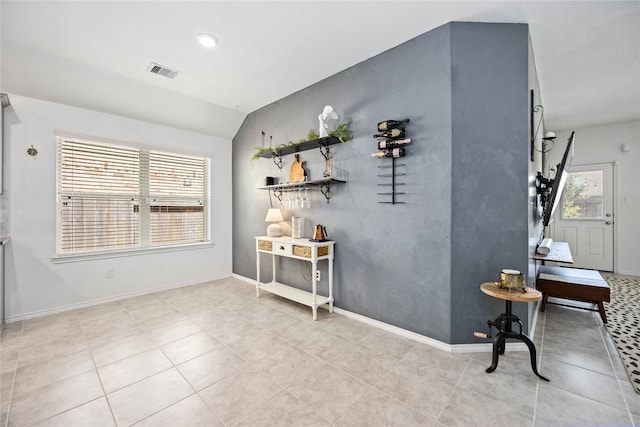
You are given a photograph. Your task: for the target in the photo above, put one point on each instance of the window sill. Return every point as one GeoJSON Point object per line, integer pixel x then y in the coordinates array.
{"type": "Point", "coordinates": [87, 256]}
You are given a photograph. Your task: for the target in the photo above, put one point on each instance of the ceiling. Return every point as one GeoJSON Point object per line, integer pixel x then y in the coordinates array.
{"type": "Point", "coordinates": [94, 54]}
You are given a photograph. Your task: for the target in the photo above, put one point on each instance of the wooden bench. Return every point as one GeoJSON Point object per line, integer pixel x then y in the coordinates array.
{"type": "Point", "coordinates": [574, 284]}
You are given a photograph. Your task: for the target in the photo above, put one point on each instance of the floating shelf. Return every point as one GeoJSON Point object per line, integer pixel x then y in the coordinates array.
{"type": "Point", "coordinates": [302, 146]}
{"type": "Point", "coordinates": [323, 184]}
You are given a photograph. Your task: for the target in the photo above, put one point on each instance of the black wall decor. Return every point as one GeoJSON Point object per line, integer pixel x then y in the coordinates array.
{"type": "Point", "coordinates": [391, 146]}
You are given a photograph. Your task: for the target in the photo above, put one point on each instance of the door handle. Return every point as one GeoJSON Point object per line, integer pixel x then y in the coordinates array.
{"type": "Point", "coordinates": [608, 222]}
{"type": "Point", "coordinates": [608, 215]}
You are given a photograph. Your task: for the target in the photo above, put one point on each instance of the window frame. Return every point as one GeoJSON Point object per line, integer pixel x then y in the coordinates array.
{"type": "Point", "coordinates": [139, 250]}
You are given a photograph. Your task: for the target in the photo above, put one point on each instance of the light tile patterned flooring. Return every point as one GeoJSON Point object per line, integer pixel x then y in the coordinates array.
{"type": "Point", "coordinates": [215, 355]}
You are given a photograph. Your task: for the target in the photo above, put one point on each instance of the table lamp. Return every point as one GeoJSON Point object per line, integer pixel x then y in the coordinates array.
{"type": "Point", "coordinates": [274, 216]}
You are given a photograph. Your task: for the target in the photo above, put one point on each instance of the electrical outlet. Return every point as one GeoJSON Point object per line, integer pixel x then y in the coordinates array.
{"type": "Point", "coordinates": [318, 275]}
{"type": "Point", "coordinates": [110, 273]}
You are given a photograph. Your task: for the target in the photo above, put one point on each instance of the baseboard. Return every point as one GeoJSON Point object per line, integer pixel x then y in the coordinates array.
{"type": "Point", "coordinates": [85, 304]}
{"type": "Point", "coordinates": [451, 348]}
{"type": "Point", "coordinates": [628, 273]}
{"type": "Point", "coordinates": [243, 278]}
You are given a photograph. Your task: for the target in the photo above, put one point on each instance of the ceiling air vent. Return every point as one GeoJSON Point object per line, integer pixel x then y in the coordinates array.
{"type": "Point", "coordinates": [162, 70]}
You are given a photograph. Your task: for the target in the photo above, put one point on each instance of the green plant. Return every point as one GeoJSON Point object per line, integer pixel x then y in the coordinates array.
{"type": "Point", "coordinates": [260, 151]}
{"type": "Point", "coordinates": [573, 192]}
{"type": "Point", "coordinates": [342, 132]}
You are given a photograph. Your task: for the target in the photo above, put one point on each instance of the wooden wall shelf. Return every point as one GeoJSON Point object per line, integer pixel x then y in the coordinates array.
{"type": "Point", "coordinates": [302, 146]}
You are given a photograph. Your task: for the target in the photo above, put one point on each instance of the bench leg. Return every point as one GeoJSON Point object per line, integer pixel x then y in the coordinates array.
{"type": "Point", "coordinates": [603, 315]}
{"type": "Point", "coordinates": [545, 296]}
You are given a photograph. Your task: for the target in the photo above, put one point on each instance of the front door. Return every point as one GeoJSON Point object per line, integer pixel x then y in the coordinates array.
{"type": "Point", "coordinates": [585, 216]}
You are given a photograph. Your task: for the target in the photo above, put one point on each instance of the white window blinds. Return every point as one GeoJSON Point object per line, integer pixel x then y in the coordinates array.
{"type": "Point", "coordinates": [177, 186]}
{"type": "Point", "coordinates": [113, 197]}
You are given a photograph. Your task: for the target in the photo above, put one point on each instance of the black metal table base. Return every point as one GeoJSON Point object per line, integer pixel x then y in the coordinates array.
{"type": "Point", "coordinates": [503, 325]}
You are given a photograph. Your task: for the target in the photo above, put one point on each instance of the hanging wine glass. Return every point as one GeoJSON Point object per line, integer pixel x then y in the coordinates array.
{"type": "Point", "coordinates": [290, 201]}
{"type": "Point", "coordinates": [299, 201]}
{"type": "Point", "coordinates": [306, 201]}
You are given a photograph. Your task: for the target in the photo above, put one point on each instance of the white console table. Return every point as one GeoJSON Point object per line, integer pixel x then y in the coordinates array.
{"type": "Point", "coordinates": [302, 249]}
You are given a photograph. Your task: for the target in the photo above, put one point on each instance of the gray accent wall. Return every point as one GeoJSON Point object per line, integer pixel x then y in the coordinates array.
{"type": "Point", "coordinates": [489, 224]}
{"type": "Point", "coordinates": [416, 265]}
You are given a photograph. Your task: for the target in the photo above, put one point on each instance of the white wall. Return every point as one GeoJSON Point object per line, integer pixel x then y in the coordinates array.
{"type": "Point", "coordinates": [34, 284]}
{"type": "Point", "coordinates": [602, 144]}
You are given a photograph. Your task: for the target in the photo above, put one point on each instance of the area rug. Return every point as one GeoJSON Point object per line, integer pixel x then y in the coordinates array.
{"type": "Point", "coordinates": [623, 315]}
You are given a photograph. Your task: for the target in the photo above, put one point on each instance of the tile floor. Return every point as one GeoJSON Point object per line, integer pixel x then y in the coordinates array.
{"type": "Point", "coordinates": [215, 355]}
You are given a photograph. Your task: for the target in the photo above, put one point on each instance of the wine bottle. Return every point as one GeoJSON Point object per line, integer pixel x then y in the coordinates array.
{"type": "Point", "coordinates": [392, 133]}
{"type": "Point", "coordinates": [392, 143]}
{"type": "Point", "coordinates": [394, 152]}
{"type": "Point", "coordinates": [391, 124]}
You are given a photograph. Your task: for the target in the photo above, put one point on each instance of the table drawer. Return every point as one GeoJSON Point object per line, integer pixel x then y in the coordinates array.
{"type": "Point", "coordinates": [283, 248]}
{"type": "Point", "coordinates": [306, 251]}
{"type": "Point", "coordinates": [264, 245]}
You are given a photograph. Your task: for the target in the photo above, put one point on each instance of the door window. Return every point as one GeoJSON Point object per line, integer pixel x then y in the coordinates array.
{"type": "Point", "coordinates": [583, 196]}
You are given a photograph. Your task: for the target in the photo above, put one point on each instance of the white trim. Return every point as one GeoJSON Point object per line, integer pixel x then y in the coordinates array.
{"type": "Point", "coordinates": [616, 208]}
{"type": "Point", "coordinates": [61, 259]}
{"type": "Point", "coordinates": [451, 348]}
{"type": "Point", "coordinates": [105, 300]}
{"type": "Point", "coordinates": [243, 278]}
{"type": "Point", "coordinates": [131, 143]}
{"type": "Point", "coordinates": [628, 273]}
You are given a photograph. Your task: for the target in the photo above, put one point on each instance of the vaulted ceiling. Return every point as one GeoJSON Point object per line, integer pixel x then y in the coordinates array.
{"type": "Point", "coordinates": [94, 54]}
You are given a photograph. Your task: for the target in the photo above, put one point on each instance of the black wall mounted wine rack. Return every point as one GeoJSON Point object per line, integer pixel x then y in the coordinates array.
{"type": "Point", "coordinates": [394, 182]}
{"type": "Point", "coordinates": [395, 151]}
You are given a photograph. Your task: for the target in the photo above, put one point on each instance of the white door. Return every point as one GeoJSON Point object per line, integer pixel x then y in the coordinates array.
{"type": "Point", "coordinates": [585, 218]}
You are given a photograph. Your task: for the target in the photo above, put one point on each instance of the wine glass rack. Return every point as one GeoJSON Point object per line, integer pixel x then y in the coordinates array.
{"type": "Point", "coordinates": [324, 185]}
{"type": "Point", "coordinates": [394, 169]}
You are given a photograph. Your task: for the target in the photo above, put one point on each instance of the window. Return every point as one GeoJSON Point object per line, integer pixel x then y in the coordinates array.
{"type": "Point", "coordinates": [583, 196]}
{"type": "Point", "coordinates": [114, 197]}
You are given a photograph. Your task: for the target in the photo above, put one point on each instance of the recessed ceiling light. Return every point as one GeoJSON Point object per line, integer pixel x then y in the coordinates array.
{"type": "Point", "coordinates": [207, 40]}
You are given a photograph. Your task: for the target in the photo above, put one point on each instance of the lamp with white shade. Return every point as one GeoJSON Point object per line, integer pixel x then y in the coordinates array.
{"type": "Point", "coordinates": [274, 216]}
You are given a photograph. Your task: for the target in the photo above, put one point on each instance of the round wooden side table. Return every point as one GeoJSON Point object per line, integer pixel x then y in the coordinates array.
{"type": "Point", "coordinates": [503, 322]}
